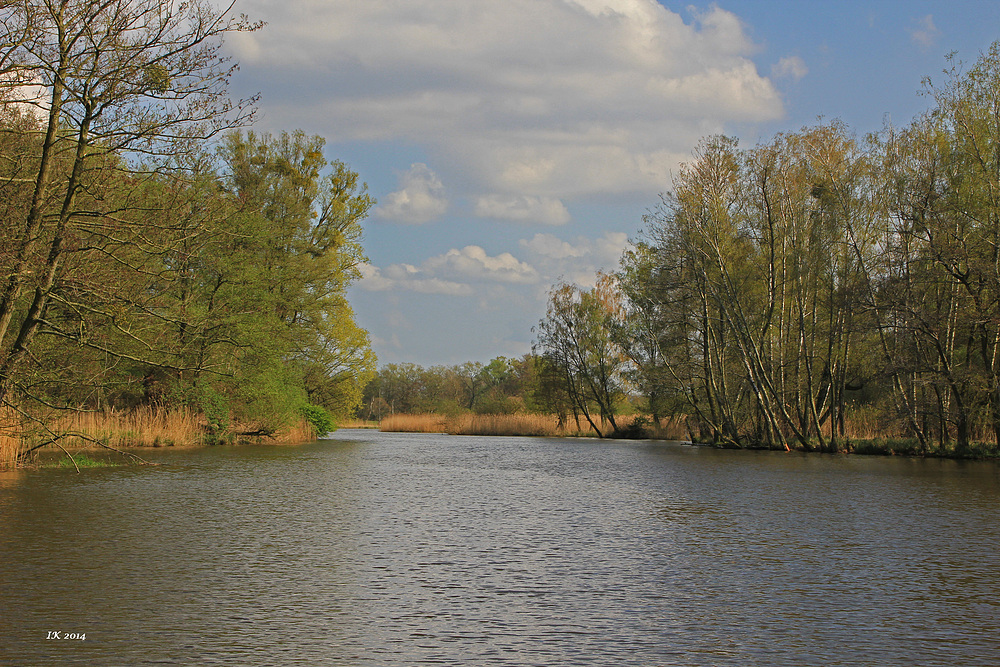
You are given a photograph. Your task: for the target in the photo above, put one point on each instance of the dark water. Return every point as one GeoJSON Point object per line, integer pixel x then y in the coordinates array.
{"type": "Point", "coordinates": [394, 549]}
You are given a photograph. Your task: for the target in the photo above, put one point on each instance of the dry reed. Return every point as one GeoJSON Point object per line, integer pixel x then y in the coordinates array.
{"type": "Point", "coordinates": [525, 424]}
{"type": "Point", "coordinates": [161, 427]}
{"type": "Point", "coordinates": [10, 437]}
{"type": "Point", "coordinates": [516, 424]}
{"type": "Point", "coordinates": [141, 427]}
{"type": "Point", "coordinates": [414, 424]}
{"type": "Point", "coordinates": [297, 433]}
{"type": "Point", "coordinates": [357, 423]}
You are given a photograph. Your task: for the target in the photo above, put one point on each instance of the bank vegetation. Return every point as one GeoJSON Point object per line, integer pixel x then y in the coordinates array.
{"type": "Point", "coordinates": [814, 292]}
{"type": "Point", "coordinates": [166, 277]}
{"type": "Point", "coordinates": [783, 292]}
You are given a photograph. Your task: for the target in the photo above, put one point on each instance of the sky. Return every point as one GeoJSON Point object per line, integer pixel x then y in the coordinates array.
{"type": "Point", "coordinates": [514, 144]}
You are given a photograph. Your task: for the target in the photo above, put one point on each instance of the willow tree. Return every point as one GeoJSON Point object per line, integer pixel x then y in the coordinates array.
{"type": "Point", "coordinates": [576, 337]}
{"type": "Point", "coordinates": [139, 78]}
{"type": "Point", "coordinates": [745, 294]}
{"type": "Point", "coordinates": [286, 258]}
{"type": "Point", "coordinates": [943, 201]}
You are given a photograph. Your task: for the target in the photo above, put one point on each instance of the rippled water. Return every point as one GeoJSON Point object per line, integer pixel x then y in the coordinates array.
{"type": "Point", "coordinates": [397, 549]}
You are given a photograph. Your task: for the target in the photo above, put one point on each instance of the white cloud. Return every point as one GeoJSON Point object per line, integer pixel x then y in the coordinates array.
{"type": "Point", "coordinates": [603, 250]}
{"type": "Point", "coordinates": [547, 245]}
{"type": "Point", "coordinates": [403, 277]}
{"type": "Point", "coordinates": [924, 34]}
{"type": "Point", "coordinates": [421, 197]}
{"type": "Point", "coordinates": [534, 98]}
{"type": "Point", "coordinates": [790, 67]}
{"type": "Point", "coordinates": [473, 263]}
{"type": "Point", "coordinates": [542, 210]}
{"type": "Point", "coordinates": [453, 273]}
{"type": "Point", "coordinates": [577, 261]}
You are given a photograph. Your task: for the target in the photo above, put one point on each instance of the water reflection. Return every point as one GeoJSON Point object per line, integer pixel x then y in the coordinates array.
{"type": "Point", "coordinates": [393, 549]}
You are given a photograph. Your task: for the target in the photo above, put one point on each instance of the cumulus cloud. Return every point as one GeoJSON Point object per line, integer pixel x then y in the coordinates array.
{"type": "Point", "coordinates": [541, 210]}
{"type": "Point", "coordinates": [456, 273]}
{"type": "Point", "coordinates": [548, 245]}
{"type": "Point", "coordinates": [472, 262]}
{"type": "Point", "coordinates": [790, 67]}
{"type": "Point", "coordinates": [607, 248]}
{"type": "Point", "coordinates": [924, 34]}
{"type": "Point", "coordinates": [576, 261]}
{"type": "Point", "coordinates": [404, 277]}
{"type": "Point", "coordinates": [421, 197]}
{"type": "Point", "coordinates": [535, 98]}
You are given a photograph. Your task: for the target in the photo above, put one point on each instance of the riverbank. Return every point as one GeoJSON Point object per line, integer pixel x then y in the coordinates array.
{"type": "Point", "coordinates": [862, 439]}
{"type": "Point", "coordinates": [119, 431]}
{"type": "Point", "coordinates": [529, 425]}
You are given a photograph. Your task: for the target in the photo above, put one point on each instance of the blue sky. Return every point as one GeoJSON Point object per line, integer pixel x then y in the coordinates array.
{"type": "Point", "coordinates": [515, 143]}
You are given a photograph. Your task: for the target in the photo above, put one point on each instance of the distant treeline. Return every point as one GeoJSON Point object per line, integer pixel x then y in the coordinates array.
{"type": "Point", "coordinates": [504, 386]}
{"type": "Point", "coordinates": [152, 253]}
{"type": "Point", "coordinates": [781, 292]}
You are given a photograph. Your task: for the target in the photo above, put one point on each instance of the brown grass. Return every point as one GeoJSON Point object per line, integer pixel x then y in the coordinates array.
{"type": "Point", "coordinates": [303, 431]}
{"type": "Point", "coordinates": [670, 428]}
{"type": "Point", "coordinates": [10, 437]}
{"type": "Point", "coordinates": [142, 427]}
{"type": "Point", "coordinates": [520, 424]}
{"type": "Point", "coordinates": [516, 424]}
{"type": "Point", "coordinates": [414, 424]}
{"type": "Point", "coordinates": [357, 423]}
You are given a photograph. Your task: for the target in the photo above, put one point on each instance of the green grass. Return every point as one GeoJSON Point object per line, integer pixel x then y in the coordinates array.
{"type": "Point", "coordinates": [84, 461]}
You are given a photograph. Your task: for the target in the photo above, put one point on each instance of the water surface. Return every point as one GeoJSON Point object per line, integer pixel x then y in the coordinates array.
{"type": "Point", "coordinates": [411, 549]}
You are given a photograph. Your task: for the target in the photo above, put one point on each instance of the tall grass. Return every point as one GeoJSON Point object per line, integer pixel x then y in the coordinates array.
{"type": "Point", "coordinates": [141, 427]}
{"type": "Point", "coordinates": [525, 424]}
{"type": "Point", "coordinates": [414, 423]}
{"type": "Point", "coordinates": [357, 423]}
{"type": "Point", "coordinates": [299, 432]}
{"type": "Point", "coordinates": [516, 424]}
{"type": "Point", "coordinates": [10, 437]}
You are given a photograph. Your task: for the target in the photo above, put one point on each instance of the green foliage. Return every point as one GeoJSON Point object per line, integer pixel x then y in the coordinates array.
{"type": "Point", "coordinates": [320, 419]}
{"type": "Point", "coordinates": [83, 461]}
{"type": "Point", "coordinates": [216, 407]}
{"type": "Point", "coordinates": [498, 387]}
{"type": "Point", "coordinates": [226, 292]}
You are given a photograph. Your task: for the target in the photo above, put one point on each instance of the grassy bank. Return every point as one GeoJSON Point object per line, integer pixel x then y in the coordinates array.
{"type": "Point", "coordinates": [862, 437]}
{"type": "Point", "coordinates": [10, 437]}
{"type": "Point", "coordinates": [357, 423]}
{"type": "Point", "coordinates": [144, 427]}
{"type": "Point", "coordinates": [525, 425]}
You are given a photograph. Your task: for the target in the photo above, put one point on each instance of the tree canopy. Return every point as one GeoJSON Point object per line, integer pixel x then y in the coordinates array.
{"type": "Point", "coordinates": [156, 253]}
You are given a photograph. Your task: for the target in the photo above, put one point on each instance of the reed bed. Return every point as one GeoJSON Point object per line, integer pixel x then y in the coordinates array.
{"type": "Point", "coordinates": [159, 427]}
{"type": "Point", "coordinates": [516, 424]}
{"type": "Point", "coordinates": [301, 431]}
{"type": "Point", "coordinates": [529, 425]}
{"type": "Point", "coordinates": [10, 437]}
{"type": "Point", "coordinates": [670, 428]}
{"type": "Point", "coordinates": [141, 427]}
{"type": "Point", "coordinates": [425, 423]}
{"type": "Point", "coordinates": [357, 423]}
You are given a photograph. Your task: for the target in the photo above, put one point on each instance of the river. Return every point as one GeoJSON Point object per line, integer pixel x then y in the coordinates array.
{"type": "Point", "coordinates": [414, 549]}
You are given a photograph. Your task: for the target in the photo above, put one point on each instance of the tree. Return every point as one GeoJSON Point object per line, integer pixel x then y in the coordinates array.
{"type": "Point", "coordinates": [137, 77]}
{"type": "Point", "coordinates": [575, 336]}
{"type": "Point", "coordinates": [267, 282]}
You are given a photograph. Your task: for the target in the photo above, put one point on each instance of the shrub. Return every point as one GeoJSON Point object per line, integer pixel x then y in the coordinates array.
{"type": "Point", "coordinates": [319, 418]}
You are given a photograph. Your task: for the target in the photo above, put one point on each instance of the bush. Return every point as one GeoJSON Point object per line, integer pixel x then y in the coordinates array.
{"type": "Point", "coordinates": [319, 418]}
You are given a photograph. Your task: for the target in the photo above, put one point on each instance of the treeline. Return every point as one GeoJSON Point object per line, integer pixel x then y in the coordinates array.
{"type": "Point", "coordinates": [502, 386]}
{"type": "Point", "coordinates": [154, 254]}
{"type": "Point", "coordinates": [783, 291]}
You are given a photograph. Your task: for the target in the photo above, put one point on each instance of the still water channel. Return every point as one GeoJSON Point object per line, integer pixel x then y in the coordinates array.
{"type": "Point", "coordinates": [409, 549]}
